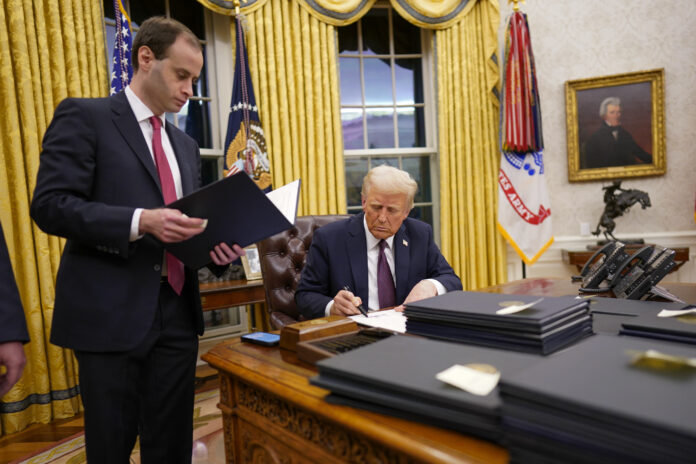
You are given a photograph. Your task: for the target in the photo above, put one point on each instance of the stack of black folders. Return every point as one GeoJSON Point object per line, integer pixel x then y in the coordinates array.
{"type": "Point", "coordinates": [640, 318]}
{"type": "Point", "coordinates": [475, 318]}
{"type": "Point", "coordinates": [606, 399]}
{"type": "Point", "coordinates": [396, 376]}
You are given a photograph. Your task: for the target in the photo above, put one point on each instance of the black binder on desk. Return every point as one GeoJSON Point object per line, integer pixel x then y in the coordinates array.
{"type": "Point", "coordinates": [397, 375]}
{"type": "Point", "coordinates": [676, 329]}
{"type": "Point", "coordinates": [628, 307]}
{"type": "Point", "coordinates": [237, 212]}
{"type": "Point", "coordinates": [595, 400]}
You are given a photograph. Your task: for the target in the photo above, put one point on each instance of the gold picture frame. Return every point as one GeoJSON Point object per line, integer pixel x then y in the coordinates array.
{"type": "Point", "coordinates": [595, 151]}
{"type": "Point", "coordinates": [251, 263]}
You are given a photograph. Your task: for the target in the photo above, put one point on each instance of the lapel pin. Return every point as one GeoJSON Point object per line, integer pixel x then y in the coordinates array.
{"type": "Point", "coordinates": [405, 242]}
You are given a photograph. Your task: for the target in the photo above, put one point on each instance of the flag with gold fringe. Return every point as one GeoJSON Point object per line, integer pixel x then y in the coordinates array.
{"type": "Point", "coordinates": [524, 212]}
{"type": "Point", "coordinates": [121, 68]}
{"type": "Point", "coordinates": [245, 143]}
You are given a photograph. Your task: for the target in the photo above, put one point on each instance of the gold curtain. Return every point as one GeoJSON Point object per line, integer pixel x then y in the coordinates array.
{"type": "Point", "coordinates": [50, 50]}
{"type": "Point", "coordinates": [293, 65]}
{"type": "Point", "coordinates": [468, 132]}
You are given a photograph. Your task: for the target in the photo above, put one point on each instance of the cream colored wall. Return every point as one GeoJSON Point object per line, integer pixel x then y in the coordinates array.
{"type": "Point", "coordinates": [575, 39]}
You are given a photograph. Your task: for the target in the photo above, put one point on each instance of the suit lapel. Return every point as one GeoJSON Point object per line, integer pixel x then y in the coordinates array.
{"type": "Point", "coordinates": [187, 182]}
{"type": "Point", "coordinates": [402, 258]}
{"type": "Point", "coordinates": [358, 261]}
{"type": "Point", "coordinates": [128, 126]}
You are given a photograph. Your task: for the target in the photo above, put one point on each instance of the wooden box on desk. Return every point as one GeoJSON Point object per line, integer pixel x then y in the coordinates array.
{"type": "Point", "coordinates": [291, 334]}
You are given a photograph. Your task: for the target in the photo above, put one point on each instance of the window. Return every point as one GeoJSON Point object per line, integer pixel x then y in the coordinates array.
{"type": "Point", "coordinates": [385, 111]}
{"type": "Point", "coordinates": [197, 117]}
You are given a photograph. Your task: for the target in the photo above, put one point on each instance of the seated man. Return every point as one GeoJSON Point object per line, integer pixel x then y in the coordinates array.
{"type": "Point", "coordinates": [379, 258]}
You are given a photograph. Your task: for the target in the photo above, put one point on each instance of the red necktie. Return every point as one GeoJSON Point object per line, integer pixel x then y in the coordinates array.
{"type": "Point", "coordinates": [175, 268]}
{"type": "Point", "coordinates": [385, 282]}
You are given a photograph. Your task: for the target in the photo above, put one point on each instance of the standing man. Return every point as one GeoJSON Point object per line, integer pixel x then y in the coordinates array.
{"type": "Point", "coordinates": [379, 258]}
{"type": "Point", "coordinates": [13, 326]}
{"type": "Point", "coordinates": [129, 310]}
{"type": "Point", "coordinates": [611, 144]}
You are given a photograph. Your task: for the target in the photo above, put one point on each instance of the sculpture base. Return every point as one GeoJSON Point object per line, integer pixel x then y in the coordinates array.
{"type": "Point", "coordinates": [628, 241]}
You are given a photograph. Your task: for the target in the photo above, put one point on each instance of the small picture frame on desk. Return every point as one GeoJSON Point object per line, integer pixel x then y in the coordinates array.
{"type": "Point", "coordinates": [252, 263]}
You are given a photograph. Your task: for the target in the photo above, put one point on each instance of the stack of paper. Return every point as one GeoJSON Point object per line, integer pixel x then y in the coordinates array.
{"type": "Point", "coordinates": [397, 376]}
{"type": "Point", "coordinates": [516, 322]}
{"type": "Point", "coordinates": [608, 314]}
{"type": "Point", "coordinates": [607, 399]}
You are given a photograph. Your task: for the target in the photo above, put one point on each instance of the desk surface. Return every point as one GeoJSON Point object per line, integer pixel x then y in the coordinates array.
{"type": "Point", "coordinates": [272, 414]}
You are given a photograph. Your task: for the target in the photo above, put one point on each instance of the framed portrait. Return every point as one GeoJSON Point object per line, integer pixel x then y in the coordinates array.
{"type": "Point", "coordinates": [616, 126]}
{"type": "Point", "coordinates": [251, 263]}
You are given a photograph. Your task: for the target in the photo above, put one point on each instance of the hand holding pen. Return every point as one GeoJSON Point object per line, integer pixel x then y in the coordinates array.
{"type": "Point", "coordinates": [359, 305]}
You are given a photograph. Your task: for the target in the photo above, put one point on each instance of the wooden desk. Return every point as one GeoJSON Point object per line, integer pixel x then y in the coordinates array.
{"type": "Point", "coordinates": [579, 258]}
{"type": "Point", "coordinates": [219, 295]}
{"type": "Point", "coordinates": [272, 414]}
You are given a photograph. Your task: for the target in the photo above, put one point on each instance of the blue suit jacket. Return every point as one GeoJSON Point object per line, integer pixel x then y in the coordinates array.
{"type": "Point", "coordinates": [13, 326]}
{"type": "Point", "coordinates": [338, 257]}
{"type": "Point", "coordinates": [95, 169]}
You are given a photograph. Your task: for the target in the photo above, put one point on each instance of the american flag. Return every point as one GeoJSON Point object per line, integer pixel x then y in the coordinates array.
{"type": "Point", "coordinates": [121, 69]}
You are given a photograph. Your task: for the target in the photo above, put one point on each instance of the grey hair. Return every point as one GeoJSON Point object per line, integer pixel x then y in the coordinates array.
{"type": "Point", "coordinates": [616, 101]}
{"type": "Point", "coordinates": [388, 179]}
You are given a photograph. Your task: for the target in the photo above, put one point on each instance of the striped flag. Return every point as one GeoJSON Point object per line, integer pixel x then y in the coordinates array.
{"type": "Point", "coordinates": [245, 143]}
{"type": "Point", "coordinates": [122, 68]}
{"type": "Point", "coordinates": [524, 211]}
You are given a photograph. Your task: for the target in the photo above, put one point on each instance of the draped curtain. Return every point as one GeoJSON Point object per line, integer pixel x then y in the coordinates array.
{"type": "Point", "coordinates": [467, 77]}
{"type": "Point", "coordinates": [49, 50]}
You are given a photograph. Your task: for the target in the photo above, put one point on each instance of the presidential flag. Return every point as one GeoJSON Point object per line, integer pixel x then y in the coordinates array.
{"type": "Point", "coordinates": [524, 211]}
{"type": "Point", "coordinates": [121, 68]}
{"type": "Point", "coordinates": [245, 143]}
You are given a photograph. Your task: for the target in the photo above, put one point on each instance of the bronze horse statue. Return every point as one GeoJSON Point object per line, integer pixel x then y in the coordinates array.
{"type": "Point", "coordinates": [617, 202]}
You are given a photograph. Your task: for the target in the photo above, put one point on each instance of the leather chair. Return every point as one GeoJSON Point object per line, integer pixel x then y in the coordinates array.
{"type": "Point", "coordinates": [282, 258]}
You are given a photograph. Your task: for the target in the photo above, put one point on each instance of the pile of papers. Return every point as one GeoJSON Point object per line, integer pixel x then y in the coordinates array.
{"type": "Point", "coordinates": [397, 376]}
{"type": "Point", "coordinates": [608, 399]}
{"type": "Point", "coordinates": [677, 325]}
{"type": "Point", "coordinates": [515, 322]}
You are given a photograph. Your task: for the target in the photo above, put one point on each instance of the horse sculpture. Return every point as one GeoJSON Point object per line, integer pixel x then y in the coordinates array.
{"type": "Point", "coordinates": [617, 202]}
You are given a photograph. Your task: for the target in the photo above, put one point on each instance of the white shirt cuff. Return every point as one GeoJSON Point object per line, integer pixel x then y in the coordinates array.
{"type": "Point", "coordinates": [135, 225]}
{"type": "Point", "coordinates": [441, 290]}
{"type": "Point", "coordinates": [327, 310]}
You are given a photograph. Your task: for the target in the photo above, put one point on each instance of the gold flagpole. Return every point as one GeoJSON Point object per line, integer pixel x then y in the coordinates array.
{"type": "Point", "coordinates": [515, 7]}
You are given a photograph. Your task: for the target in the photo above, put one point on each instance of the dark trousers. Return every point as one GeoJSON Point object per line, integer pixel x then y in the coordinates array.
{"type": "Point", "coordinates": [147, 391]}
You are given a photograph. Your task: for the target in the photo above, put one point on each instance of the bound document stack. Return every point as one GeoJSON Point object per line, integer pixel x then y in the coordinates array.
{"type": "Point", "coordinates": [516, 322]}
{"type": "Point", "coordinates": [397, 376]}
{"type": "Point", "coordinates": [608, 399]}
{"type": "Point", "coordinates": [672, 324]}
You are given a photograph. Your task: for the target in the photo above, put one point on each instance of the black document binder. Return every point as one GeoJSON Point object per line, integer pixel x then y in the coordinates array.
{"type": "Point", "coordinates": [237, 212]}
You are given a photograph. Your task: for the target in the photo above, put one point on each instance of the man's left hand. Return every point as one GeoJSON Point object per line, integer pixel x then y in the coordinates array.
{"type": "Point", "coordinates": [222, 254]}
{"type": "Point", "coordinates": [422, 290]}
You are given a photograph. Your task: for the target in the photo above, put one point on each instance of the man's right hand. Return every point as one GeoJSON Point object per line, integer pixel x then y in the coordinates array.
{"type": "Point", "coordinates": [346, 304]}
{"type": "Point", "coordinates": [169, 225]}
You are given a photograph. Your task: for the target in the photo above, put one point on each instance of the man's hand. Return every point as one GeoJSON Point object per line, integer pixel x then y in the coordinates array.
{"type": "Point", "coordinates": [169, 225]}
{"type": "Point", "coordinates": [222, 254]}
{"type": "Point", "coordinates": [12, 357]}
{"type": "Point", "coordinates": [422, 290]}
{"type": "Point", "coordinates": [346, 304]}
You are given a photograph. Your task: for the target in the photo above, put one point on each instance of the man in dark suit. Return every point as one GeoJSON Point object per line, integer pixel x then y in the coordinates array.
{"type": "Point", "coordinates": [379, 258]}
{"type": "Point", "coordinates": [13, 326]}
{"type": "Point", "coordinates": [611, 144]}
{"type": "Point", "coordinates": [130, 311]}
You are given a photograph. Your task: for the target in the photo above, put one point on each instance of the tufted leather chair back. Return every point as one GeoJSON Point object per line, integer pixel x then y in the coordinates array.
{"type": "Point", "coordinates": [282, 258]}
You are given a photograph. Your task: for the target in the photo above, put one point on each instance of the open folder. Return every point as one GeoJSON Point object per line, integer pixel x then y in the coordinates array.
{"type": "Point", "coordinates": [237, 212]}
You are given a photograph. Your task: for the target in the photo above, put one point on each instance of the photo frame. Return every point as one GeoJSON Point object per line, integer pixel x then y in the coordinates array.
{"type": "Point", "coordinates": [252, 263]}
{"type": "Point", "coordinates": [598, 147]}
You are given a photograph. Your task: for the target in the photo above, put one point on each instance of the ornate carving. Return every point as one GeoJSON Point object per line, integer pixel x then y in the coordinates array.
{"type": "Point", "coordinates": [258, 450]}
{"type": "Point", "coordinates": [330, 438]}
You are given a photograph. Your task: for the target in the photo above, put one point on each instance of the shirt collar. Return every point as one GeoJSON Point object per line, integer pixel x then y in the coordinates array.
{"type": "Point", "coordinates": [373, 241]}
{"type": "Point", "coordinates": [140, 109]}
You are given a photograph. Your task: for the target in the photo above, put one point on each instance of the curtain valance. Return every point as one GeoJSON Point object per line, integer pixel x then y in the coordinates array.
{"type": "Point", "coordinates": [428, 14]}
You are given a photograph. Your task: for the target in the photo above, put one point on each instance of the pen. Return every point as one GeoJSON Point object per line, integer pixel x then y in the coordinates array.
{"type": "Point", "coordinates": [360, 306]}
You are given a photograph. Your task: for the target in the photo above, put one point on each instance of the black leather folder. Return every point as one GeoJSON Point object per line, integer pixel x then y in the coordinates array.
{"type": "Point", "coordinates": [628, 307]}
{"type": "Point", "coordinates": [595, 399]}
{"type": "Point", "coordinates": [678, 329]}
{"type": "Point", "coordinates": [398, 373]}
{"type": "Point", "coordinates": [237, 212]}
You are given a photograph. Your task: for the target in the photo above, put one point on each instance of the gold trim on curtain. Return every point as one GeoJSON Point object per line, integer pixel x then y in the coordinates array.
{"type": "Point", "coordinates": [433, 14]}
{"type": "Point", "coordinates": [50, 50]}
{"type": "Point", "coordinates": [469, 156]}
{"type": "Point", "coordinates": [227, 8]}
{"type": "Point", "coordinates": [293, 65]}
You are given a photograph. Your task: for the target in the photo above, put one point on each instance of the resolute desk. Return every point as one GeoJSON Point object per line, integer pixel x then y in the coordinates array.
{"type": "Point", "coordinates": [271, 414]}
